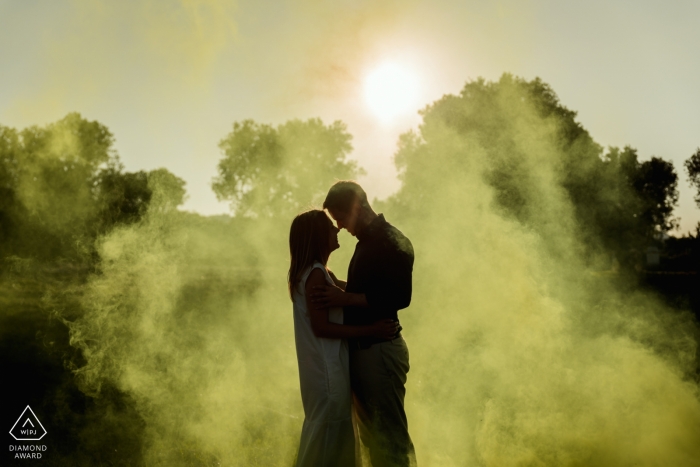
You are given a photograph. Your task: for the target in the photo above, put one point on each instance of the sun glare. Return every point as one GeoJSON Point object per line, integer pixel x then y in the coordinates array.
{"type": "Point", "coordinates": [391, 91]}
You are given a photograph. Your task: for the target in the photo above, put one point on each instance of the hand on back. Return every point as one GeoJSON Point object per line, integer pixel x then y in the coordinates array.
{"type": "Point", "coordinates": [385, 329]}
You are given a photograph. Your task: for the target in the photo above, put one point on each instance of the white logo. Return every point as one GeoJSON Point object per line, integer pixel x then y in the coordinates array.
{"type": "Point", "coordinates": [28, 427]}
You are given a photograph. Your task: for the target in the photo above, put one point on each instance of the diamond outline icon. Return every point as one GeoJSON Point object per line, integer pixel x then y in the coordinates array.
{"type": "Point", "coordinates": [35, 418]}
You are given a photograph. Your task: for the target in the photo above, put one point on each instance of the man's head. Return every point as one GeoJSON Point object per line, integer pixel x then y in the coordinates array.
{"type": "Point", "coordinates": [347, 203]}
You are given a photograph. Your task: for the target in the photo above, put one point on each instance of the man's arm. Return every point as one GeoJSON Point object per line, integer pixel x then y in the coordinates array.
{"type": "Point", "coordinates": [318, 315]}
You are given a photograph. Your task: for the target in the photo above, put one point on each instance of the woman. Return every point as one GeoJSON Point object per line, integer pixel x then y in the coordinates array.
{"type": "Point", "coordinates": [327, 437]}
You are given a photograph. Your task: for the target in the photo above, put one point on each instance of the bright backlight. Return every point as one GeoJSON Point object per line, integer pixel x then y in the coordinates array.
{"type": "Point", "coordinates": [391, 91]}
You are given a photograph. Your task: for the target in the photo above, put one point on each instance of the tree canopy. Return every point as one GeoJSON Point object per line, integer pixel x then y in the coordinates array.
{"type": "Point", "coordinates": [62, 184]}
{"type": "Point", "coordinates": [268, 171]}
{"type": "Point", "coordinates": [542, 165]}
{"type": "Point", "coordinates": [692, 167]}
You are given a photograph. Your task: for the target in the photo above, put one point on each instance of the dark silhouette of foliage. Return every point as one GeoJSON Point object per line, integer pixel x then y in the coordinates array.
{"type": "Point", "coordinates": [692, 167]}
{"type": "Point", "coordinates": [640, 197]}
{"type": "Point", "coordinates": [123, 197]}
{"type": "Point", "coordinates": [656, 184]}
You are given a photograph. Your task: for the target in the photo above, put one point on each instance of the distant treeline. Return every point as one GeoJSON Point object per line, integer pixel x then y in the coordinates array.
{"type": "Point", "coordinates": [62, 185]}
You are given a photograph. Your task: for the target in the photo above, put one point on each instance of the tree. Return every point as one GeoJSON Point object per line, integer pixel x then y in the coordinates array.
{"type": "Point", "coordinates": [10, 210]}
{"type": "Point", "coordinates": [640, 198]}
{"type": "Point", "coordinates": [125, 197]}
{"type": "Point", "coordinates": [513, 134]}
{"type": "Point", "coordinates": [544, 169]}
{"type": "Point", "coordinates": [276, 171]}
{"type": "Point", "coordinates": [168, 190]}
{"type": "Point", "coordinates": [122, 198]}
{"type": "Point", "coordinates": [692, 166]}
{"type": "Point", "coordinates": [656, 185]}
{"type": "Point", "coordinates": [61, 185]}
{"type": "Point", "coordinates": [47, 174]}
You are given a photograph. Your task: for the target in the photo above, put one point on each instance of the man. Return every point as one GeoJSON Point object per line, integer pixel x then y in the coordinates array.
{"type": "Point", "coordinates": [378, 286]}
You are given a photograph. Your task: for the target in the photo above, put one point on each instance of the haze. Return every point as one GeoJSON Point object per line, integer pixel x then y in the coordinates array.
{"type": "Point", "coordinates": [170, 78]}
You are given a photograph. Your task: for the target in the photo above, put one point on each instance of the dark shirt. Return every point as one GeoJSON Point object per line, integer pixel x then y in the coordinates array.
{"type": "Point", "coordinates": [381, 268]}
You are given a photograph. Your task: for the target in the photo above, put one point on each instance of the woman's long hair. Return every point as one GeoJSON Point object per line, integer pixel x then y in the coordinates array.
{"type": "Point", "coordinates": [308, 242]}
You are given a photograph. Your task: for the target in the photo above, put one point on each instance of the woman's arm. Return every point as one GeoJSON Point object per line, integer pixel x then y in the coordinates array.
{"type": "Point", "coordinates": [385, 329]}
{"type": "Point", "coordinates": [338, 282]}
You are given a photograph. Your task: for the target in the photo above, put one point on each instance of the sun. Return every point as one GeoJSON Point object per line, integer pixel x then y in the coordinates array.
{"type": "Point", "coordinates": [391, 91]}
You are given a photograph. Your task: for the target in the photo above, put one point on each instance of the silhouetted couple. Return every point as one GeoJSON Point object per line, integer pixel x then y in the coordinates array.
{"type": "Point", "coordinates": [348, 337]}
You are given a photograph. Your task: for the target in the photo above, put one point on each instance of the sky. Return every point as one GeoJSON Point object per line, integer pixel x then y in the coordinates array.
{"type": "Point", "coordinates": [170, 77]}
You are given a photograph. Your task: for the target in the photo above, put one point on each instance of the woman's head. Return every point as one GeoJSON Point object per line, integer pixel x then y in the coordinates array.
{"type": "Point", "coordinates": [312, 238]}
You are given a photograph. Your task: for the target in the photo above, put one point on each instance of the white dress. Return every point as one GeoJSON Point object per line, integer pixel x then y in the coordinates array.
{"type": "Point", "coordinates": [327, 437]}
